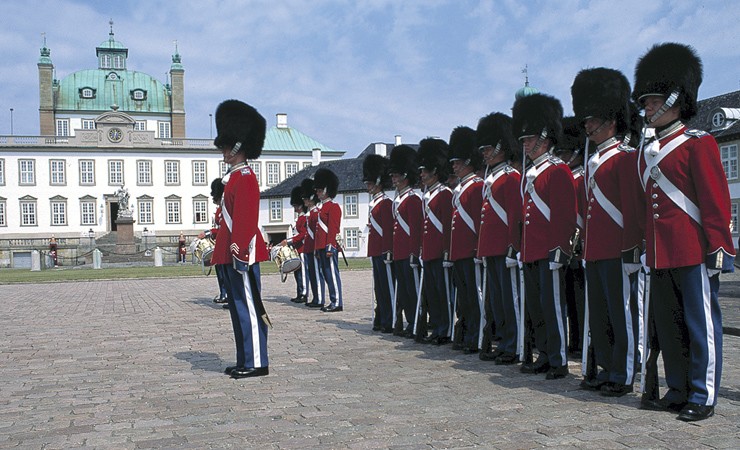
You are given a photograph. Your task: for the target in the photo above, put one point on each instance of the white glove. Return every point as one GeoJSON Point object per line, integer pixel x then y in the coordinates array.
{"type": "Point", "coordinates": [478, 260]}
{"type": "Point", "coordinates": [643, 261]}
{"type": "Point", "coordinates": [511, 262]}
{"type": "Point", "coordinates": [414, 262]}
{"type": "Point", "coordinates": [713, 272]}
{"type": "Point", "coordinates": [555, 266]}
{"type": "Point", "coordinates": [447, 264]}
{"type": "Point", "coordinates": [631, 268]}
{"type": "Point", "coordinates": [583, 263]}
{"type": "Point", "coordinates": [519, 259]}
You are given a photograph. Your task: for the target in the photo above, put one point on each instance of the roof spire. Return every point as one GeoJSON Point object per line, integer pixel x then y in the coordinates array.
{"type": "Point", "coordinates": [110, 22]}
{"type": "Point", "coordinates": [526, 75]}
{"type": "Point", "coordinates": [526, 89]}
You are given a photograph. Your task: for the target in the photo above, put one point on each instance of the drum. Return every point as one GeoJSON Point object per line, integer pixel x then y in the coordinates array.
{"type": "Point", "coordinates": [204, 250]}
{"type": "Point", "coordinates": [286, 258]}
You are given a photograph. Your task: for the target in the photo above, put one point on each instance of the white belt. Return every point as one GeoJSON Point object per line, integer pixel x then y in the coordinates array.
{"type": "Point", "coordinates": [608, 206]}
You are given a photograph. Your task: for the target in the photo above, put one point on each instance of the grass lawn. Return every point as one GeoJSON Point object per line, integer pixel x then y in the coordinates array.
{"type": "Point", "coordinates": [87, 273]}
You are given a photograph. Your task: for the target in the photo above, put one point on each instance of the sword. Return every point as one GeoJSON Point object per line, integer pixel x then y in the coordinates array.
{"type": "Point", "coordinates": [418, 280]}
{"type": "Point", "coordinates": [446, 272]}
{"type": "Point", "coordinates": [393, 305]}
{"type": "Point", "coordinates": [586, 344]}
{"type": "Point", "coordinates": [481, 290]}
{"type": "Point", "coordinates": [522, 299]}
{"type": "Point", "coordinates": [645, 337]}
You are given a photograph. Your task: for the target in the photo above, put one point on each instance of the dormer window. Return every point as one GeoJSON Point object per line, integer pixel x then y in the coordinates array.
{"type": "Point", "coordinates": [105, 62]}
{"type": "Point", "coordinates": [87, 92]}
{"type": "Point", "coordinates": [118, 62]}
{"type": "Point", "coordinates": [138, 94]}
{"type": "Point", "coordinates": [112, 76]}
{"type": "Point", "coordinates": [718, 119]}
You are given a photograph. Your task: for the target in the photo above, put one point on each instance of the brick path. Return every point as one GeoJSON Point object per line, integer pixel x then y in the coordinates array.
{"type": "Point", "coordinates": [138, 364]}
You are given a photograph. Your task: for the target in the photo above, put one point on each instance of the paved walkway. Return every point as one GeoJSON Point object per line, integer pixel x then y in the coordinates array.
{"type": "Point", "coordinates": [138, 364]}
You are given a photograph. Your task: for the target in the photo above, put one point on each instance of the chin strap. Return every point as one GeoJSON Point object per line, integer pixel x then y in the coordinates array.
{"type": "Point", "coordinates": [235, 149]}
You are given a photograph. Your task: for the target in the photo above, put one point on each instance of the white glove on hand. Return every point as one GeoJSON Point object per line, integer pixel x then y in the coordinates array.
{"type": "Point", "coordinates": [555, 266]}
{"type": "Point", "coordinates": [519, 260]}
{"type": "Point", "coordinates": [511, 262]}
{"type": "Point", "coordinates": [631, 268]}
{"type": "Point", "coordinates": [447, 264]}
{"type": "Point", "coordinates": [477, 260]}
{"type": "Point", "coordinates": [713, 272]}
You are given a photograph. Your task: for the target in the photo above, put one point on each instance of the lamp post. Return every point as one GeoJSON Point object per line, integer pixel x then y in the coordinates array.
{"type": "Point", "coordinates": [210, 123]}
{"type": "Point", "coordinates": [11, 121]}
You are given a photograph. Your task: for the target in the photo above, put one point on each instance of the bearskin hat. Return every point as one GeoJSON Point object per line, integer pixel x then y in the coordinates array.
{"type": "Point", "coordinates": [602, 93]}
{"type": "Point", "coordinates": [403, 161]}
{"type": "Point", "coordinates": [296, 196]}
{"type": "Point", "coordinates": [326, 179]}
{"type": "Point", "coordinates": [574, 136]}
{"type": "Point", "coordinates": [462, 146]}
{"type": "Point", "coordinates": [375, 170]}
{"type": "Point", "coordinates": [307, 190]}
{"type": "Point", "coordinates": [217, 189]}
{"type": "Point", "coordinates": [495, 129]}
{"type": "Point", "coordinates": [534, 113]}
{"type": "Point", "coordinates": [432, 156]}
{"type": "Point", "coordinates": [666, 68]}
{"type": "Point", "coordinates": [237, 122]}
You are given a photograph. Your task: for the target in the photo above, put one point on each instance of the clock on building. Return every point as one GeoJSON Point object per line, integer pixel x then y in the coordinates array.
{"type": "Point", "coordinates": [115, 135]}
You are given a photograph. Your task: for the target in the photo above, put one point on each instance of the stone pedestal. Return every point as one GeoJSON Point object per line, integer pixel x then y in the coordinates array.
{"type": "Point", "coordinates": [125, 232]}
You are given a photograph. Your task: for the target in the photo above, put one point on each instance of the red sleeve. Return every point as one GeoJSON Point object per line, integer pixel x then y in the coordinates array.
{"type": "Point", "coordinates": [386, 224]}
{"type": "Point", "coordinates": [416, 223]}
{"type": "Point", "coordinates": [335, 221]}
{"type": "Point", "coordinates": [301, 227]}
{"type": "Point", "coordinates": [217, 222]}
{"type": "Point", "coordinates": [513, 208]}
{"type": "Point", "coordinates": [244, 214]}
{"type": "Point", "coordinates": [445, 216]}
{"type": "Point", "coordinates": [562, 203]}
{"type": "Point", "coordinates": [631, 192]}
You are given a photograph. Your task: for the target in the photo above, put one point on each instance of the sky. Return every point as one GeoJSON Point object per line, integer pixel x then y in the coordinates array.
{"type": "Point", "coordinates": [350, 73]}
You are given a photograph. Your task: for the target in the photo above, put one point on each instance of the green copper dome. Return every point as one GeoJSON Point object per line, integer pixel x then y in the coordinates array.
{"type": "Point", "coordinates": [525, 91]}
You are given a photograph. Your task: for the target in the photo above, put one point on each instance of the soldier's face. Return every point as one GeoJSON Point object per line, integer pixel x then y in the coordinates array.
{"type": "Point", "coordinates": [399, 180]}
{"type": "Point", "coordinates": [321, 194]}
{"type": "Point", "coordinates": [371, 187]}
{"type": "Point", "coordinates": [531, 149]}
{"type": "Point", "coordinates": [653, 103]}
{"type": "Point", "coordinates": [599, 130]}
{"type": "Point", "coordinates": [428, 178]}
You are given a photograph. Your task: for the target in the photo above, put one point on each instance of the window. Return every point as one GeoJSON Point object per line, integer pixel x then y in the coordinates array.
{"type": "Point", "coordinates": [200, 178]}
{"type": "Point", "coordinates": [257, 168]}
{"type": "Point", "coordinates": [350, 205]}
{"type": "Point", "coordinates": [58, 211]}
{"type": "Point", "coordinates": [62, 127]}
{"type": "Point", "coordinates": [87, 93]}
{"type": "Point", "coordinates": [223, 168]}
{"type": "Point", "coordinates": [718, 119]}
{"type": "Point", "coordinates": [28, 212]}
{"type": "Point", "coordinates": [306, 164]}
{"type": "Point", "coordinates": [2, 172]}
{"type": "Point", "coordinates": [88, 124]}
{"type": "Point", "coordinates": [140, 125]}
{"type": "Point", "coordinates": [733, 218]}
{"type": "Point", "coordinates": [729, 160]}
{"type": "Point", "coordinates": [200, 210]}
{"type": "Point", "coordinates": [143, 172]}
{"type": "Point", "coordinates": [56, 172]}
{"type": "Point", "coordinates": [172, 206]}
{"type": "Point", "coordinates": [273, 173]}
{"type": "Point", "coordinates": [87, 172]}
{"type": "Point", "coordinates": [276, 210]}
{"type": "Point", "coordinates": [3, 214]}
{"type": "Point", "coordinates": [27, 170]}
{"type": "Point", "coordinates": [88, 208]}
{"type": "Point", "coordinates": [172, 173]}
{"type": "Point", "coordinates": [138, 94]}
{"type": "Point", "coordinates": [115, 172]}
{"type": "Point", "coordinates": [145, 207]}
{"type": "Point", "coordinates": [291, 168]}
{"type": "Point", "coordinates": [351, 238]}
{"type": "Point", "coordinates": [164, 130]}
{"type": "Point", "coordinates": [118, 62]}
{"type": "Point", "coordinates": [105, 62]}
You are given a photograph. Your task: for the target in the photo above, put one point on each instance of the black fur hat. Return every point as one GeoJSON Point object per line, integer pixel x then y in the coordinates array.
{"type": "Point", "coordinates": [533, 113]}
{"type": "Point", "coordinates": [495, 129]}
{"type": "Point", "coordinates": [237, 122]}
{"type": "Point", "coordinates": [633, 134]}
{"type": "Point", "coordinates": [217, 189]}
{"type": "Point", "coordinates": [403, 161]}
{"type": "Point", "coordinates": [326, 179]}
{"type": "Point", "coordinates": [574, 136]}
{"type": "Point", "coordinates": [296, 196]}
{"type": "Point", "coordinates": [432, 156]}
{"type": "Point", "coordinates": [375, 170]}
{"type": "Point", "coordinates": [462, 146]}
{"type": "Point", "coordinates": [307, 190]}
{"type": "Point", "coordinates": [604, 94]}
{"type": "Point", "coordinates": [666, 68]}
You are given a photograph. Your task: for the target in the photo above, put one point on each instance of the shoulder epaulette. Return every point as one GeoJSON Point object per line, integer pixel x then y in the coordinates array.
{"type": "Point", "coordinates": [625, 148]}
{"type": "Point", "coordinates": [554, 159]}
{"type": "Point", "coordinates": [509, 169]}
{"type": "Point", "coordinates": [695, 133]}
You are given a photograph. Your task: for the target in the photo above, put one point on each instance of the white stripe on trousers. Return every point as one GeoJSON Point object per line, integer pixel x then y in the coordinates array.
{"type": "Point", "coordinates": [304, 275]}
{"type": "Point", "coordinates": [319, 278]}
{"type": "Point", "coordinates": [559, 313]}
{"type": "Point", "coordinates": [626, 309]}
{"type": "Point", "coordinates": [253, 318]}
{"type": "Point", "coordinates": [337, 288]}
{"type": "Point", "coordinates": [710, 379]}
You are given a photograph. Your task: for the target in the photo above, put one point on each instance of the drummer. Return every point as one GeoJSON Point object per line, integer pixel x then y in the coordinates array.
{"type": "Point", "coordinates": [217, 191]}
{"type": "Point", "coordinates": [296, 242]}
{"type": "Point", "coordinates": [315, 277]}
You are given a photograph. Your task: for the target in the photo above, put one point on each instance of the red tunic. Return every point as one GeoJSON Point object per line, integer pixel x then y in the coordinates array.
{"type": "Point", "coordinates": [380, 234]}
{"type": "Point", "coordinates": [437, 214]}
{"type": "Point", "coordinates": [673, 237]}
{"type": "Point", "coordinates": [311, 224]}
{"type": "Point", "coordinates": [301, 225]}
{"type": "Point", "coordinates": [216, 222]}
{"type": "Point", "coordinates": [501, 213]}
{"type": "Point", "coordinates": [467, 201]}
{"type": "Point", "coordinates": [549, 211]}
{"type": "Point", "coordinates": [327, 227]}
{"type": "Point", "coordinates": [239, 236]}
{"type": "Point", "coordinates": [408, 217]}
{"type": "Point", "coordinates": [580, 205]}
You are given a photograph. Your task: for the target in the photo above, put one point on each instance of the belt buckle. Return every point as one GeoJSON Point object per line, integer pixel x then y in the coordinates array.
{"type": "Point", "coordinates": [655, 173]}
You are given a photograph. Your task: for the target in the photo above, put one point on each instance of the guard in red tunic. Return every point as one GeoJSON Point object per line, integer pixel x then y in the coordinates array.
{"type": "Point", "coordinates": [241, 134]}
{"type": "Point", "coordinates": [498, 237]}
{"type": "Point", "coordinates": [601, 104]}
{"type": "Point", "coordinates": [310, 259]}
{"type": "Point", "coordinates": [408, 217]}
{"type": "Point", "coordinates": [217, 191]}
{"type": "Point", "coordinates": [296, 242]}
{"type": "Point", "coordinates": [435, 242]}
{"type": "Point", "coordinates": [688, 239]}
{"type": "Point", "coordinates": [380, 238]}
{"type": "Point", "coordinates": [549, 225]}
{"type": "Point", "coordinates": [326, 183]}
{"type": "Point", "coordinates": [466, 203]}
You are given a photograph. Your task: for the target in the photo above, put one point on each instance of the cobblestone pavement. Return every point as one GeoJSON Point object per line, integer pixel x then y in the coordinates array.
{"type": "Point", "coordinates": [139, 364]}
